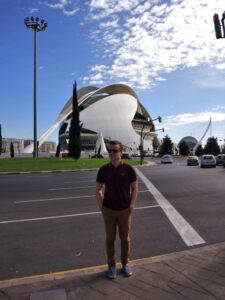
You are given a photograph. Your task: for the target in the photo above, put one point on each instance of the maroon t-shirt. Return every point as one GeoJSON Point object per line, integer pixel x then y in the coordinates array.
{"type": "Point", "coordinates": [117, 182]}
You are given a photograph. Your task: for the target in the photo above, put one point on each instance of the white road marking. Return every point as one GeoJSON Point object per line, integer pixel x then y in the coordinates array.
{"type": "Point", "coordinates": [61, 198]}
{"type": "Point", "coordinates": [79, 181]}
{"type": "Point", "coordinates": [185, 230]}
{"type": "Point", "coordinates": [53, 199]}
{"type": "Point", "coordinates": [66, 216]}
{"type": "Point", "coordinates": [72, 188]}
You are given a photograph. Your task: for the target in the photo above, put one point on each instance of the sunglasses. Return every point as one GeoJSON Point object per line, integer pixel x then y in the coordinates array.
{"type": "Point", "coordinates": [113, 150]}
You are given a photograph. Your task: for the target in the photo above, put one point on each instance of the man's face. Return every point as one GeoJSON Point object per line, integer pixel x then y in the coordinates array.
{"type": "Point", "coordinates": [114, 152]}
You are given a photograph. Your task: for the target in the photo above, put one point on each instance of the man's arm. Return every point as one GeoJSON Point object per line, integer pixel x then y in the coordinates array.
{"type": "Point", "coordinates": [134, 192]}
{"type": "Point", "coordinates": [99, 194]}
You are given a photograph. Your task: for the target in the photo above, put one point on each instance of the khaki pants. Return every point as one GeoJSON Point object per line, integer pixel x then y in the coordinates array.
{"type": "Point", "coordinates": [122, 219]}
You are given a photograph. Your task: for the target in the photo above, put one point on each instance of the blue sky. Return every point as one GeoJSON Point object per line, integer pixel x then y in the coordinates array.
{"type": "Point", "coordinates": [165, 50]}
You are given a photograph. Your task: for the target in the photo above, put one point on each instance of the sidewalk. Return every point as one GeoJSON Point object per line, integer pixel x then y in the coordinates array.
{"type": "Point", "coordinates": [193, 274]}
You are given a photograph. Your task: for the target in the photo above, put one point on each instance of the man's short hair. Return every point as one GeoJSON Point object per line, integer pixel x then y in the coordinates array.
{"type": "Point", "coordinates": [114, 143]}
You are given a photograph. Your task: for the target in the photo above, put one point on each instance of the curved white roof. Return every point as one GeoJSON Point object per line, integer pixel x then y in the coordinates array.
{"type": "Point", "coordinates": [112, 113]}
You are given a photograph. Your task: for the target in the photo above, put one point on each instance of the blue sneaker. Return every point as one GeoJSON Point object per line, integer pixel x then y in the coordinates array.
{"type": "Point", "coordinates": [126, 270]}
{"type": "Point", "coordinates": [111, 273]}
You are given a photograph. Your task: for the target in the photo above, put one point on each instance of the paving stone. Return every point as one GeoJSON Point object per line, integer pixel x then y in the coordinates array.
{"type": "Point", "coordinates": [59, 294]}
{"type": "Point", "coordinates": [176, 287]}
{"type": "Point", "coordinates": [198, 273]}
{"type": "Point", "coordinates": [216, 289]}
{"type": "Point", "coordinates": [162, 268]}
{"type": "Point", "coordinates": [157, 280]}
{"type": "Point", "coordinates": [84, 293]}
{"type": "Point", "coordinates": [105, 286]}
{"type": "Point", "coordinates": [219, 280]}
{"type": "Point", "coordinates": [188, 283]}
{"type": "Point", "coordinates": [193, 294]}
{"type": "Point", "coordinates": [178, 266]}
{"type": "Point", "coordinates": [158, 294]}
{"type": "Point", "coordinates": [179, 297]}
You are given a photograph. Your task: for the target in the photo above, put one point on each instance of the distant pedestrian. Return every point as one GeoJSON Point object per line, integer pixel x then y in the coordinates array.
{"type": "Point", "coordinates": [116, 203]}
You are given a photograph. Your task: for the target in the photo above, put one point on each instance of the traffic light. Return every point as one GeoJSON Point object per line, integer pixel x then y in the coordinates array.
{"type": "Point", "coordinates": [217, 26]}
{"type": "Point", "coordinates": [160, 119]}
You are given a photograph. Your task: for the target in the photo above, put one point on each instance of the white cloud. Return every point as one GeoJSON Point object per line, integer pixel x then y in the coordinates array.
{"type": "Point", "coordinates": [67, 6]}
{"type": "Point", "coordinates": [104, 8]}
{"type": "Point", "coordinates": [154, 38]}
{"type": "Point", "coordinates": [33, 10]}
{"type": "Point", "coordinates": [189, 118]}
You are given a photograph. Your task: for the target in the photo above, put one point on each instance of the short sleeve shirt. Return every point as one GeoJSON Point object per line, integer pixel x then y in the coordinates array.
{"type": "Point", "coordinates": [117, 181]}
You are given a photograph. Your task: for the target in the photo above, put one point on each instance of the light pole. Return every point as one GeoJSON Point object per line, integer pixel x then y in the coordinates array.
{"type": "Point", "coordinates": [36, 26]}
{"type": "Point", "coordinates": [141, 148]}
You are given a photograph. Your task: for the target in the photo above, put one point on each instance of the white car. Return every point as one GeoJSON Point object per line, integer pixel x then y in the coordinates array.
{"type": "Point", "coordinates": [208, 160]}
{"type": "Point", "coordinates": [166, 159]}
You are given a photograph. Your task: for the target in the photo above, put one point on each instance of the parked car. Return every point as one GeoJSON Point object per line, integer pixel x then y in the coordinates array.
{"type": "Point", "coordinates": [65, 154]}
{"type": "Point", "coordinates": [220, 159]}
{"type": "Point", "coordinates": [97, 156]}
{"type": "Point", "coordinates": [125, 155]}
{"type": "Point", "coordinates": [208, 160]}
{"type": "Point", "coordinates": [166, 159]}
{"type": "Point", "coordinates": [192, 160]}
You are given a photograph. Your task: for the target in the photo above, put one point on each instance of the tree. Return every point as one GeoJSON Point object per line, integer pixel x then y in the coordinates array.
{"type": "Point", "coordinates": [212, 146]}
{"type": "Point", "coordinates": [223, 150]}
{"type": "Point", "coordinates": [167, 146]}
{"type": "Point", "coordinates": [11, 149]}
{"type": "Point", "coordinates": [57, 153]}
{"type": "Point", "coordinates": [75, 128]}
{"type": "Point", "coordinates": [199, 150]}
{"type": "Point", "coordinates": [184, 148]}
{"type": "Point", "coordinates": [0, 139]}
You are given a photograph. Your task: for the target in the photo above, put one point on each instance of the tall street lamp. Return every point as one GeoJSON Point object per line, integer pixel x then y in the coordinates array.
{"type": "Point", "coordinates": [36, 26]}
{"type": "Point", "coordinates": [141, 147]}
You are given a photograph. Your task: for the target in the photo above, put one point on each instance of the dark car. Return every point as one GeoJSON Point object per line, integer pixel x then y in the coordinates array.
{"type": "Point", "coordinates": [97, 156]}
{"type": "Point", "coordinates": [125, 155]}
{"type": "Point", "coordinates": [220, 159]}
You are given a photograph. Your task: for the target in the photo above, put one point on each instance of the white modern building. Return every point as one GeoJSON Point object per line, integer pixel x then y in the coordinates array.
{"type": "Point", "coordinates": [115, 110]}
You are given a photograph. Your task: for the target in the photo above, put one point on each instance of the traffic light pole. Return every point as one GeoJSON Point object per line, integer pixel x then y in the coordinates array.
{"type": "Point", "coordinates": [217, 26]}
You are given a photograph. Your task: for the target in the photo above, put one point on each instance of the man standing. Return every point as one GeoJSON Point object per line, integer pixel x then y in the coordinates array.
{"type": "Point", "coordinates": [116, 203]}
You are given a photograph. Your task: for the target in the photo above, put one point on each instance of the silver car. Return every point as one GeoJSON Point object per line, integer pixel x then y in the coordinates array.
{"type": "Point", "coordinates": [192, 160]}
{"type": "Point", "coordinates": [208, 160]}
{"type": "Point", "coordinates": [166, 159]}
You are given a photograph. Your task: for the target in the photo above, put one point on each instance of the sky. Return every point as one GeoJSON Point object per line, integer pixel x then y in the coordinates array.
{"type": "Point", "coordinates": [165, 50]}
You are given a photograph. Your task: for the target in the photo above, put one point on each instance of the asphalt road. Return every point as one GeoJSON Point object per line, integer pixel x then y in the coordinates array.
{"type": "Point", "coordinates": [51, 222]}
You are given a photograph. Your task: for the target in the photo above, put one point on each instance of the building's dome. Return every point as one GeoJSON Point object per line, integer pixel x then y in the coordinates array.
{"type": "Point", "coordinates": [190, 140]}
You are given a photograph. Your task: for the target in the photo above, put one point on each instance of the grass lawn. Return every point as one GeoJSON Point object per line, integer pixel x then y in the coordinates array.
{"type": "Point", "coordinates": [48, 164]}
